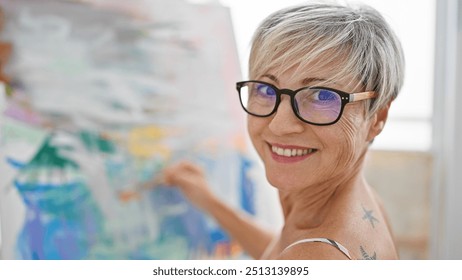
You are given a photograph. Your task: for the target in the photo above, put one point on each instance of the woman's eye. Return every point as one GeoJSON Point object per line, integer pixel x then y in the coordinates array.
{"type": "Point", "coordinates": [266, 90]}
{"type": "Point", "coordinates": [326, 95]}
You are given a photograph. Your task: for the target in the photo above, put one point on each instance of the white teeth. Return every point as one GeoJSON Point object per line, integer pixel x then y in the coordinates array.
{"type": "Point", "coordinates": [291, 152]}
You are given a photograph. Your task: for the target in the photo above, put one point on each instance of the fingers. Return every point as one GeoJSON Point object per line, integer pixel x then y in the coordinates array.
{"type": "Point", "coordinates": [191, 167]}
{"type": "Point", "coordinates": [186, 166]}
{"type": "Point", "coordinates": [183, 172]}
{"type": "Point", "coordinates": [191, 180]}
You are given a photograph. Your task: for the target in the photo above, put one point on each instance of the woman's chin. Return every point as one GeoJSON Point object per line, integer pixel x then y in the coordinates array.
{"type": "Point", "coordinates": [284, 183]}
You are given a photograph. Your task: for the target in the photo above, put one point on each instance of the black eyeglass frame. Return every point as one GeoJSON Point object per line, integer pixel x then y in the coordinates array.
{"type": "Point", "coordinates": [344, 97]}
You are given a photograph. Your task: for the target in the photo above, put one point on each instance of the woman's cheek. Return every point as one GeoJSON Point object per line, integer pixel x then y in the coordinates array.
{"type": "Point", "coordinates": [255, 128]}
{"type": "Point", "coordinates": [347, 140]}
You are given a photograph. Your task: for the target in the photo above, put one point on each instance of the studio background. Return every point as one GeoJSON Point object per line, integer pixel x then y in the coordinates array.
{"type": "Point", "coordinates": [413, 164]}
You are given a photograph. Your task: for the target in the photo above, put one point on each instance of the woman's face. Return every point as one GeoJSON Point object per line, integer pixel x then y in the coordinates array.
{"type": "Point", "coordinates": [322, 153]}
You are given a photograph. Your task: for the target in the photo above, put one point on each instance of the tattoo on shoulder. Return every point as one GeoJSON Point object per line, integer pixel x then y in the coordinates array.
{"type": "Point", "coordinates": [369, 216]}
{"type": "Point", "coordinates": [366, 256]}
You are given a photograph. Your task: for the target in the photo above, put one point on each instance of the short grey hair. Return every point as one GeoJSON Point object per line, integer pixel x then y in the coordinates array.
{"type": "Point", "coordinates": [356, 40]}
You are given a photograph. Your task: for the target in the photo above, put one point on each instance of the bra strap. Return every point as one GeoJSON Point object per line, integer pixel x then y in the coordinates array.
{"type": "Point", "coordinates": [322, 240]}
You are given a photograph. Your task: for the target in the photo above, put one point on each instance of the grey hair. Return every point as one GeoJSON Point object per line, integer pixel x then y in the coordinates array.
{"type": "Point", "coordinates": [353, 40]}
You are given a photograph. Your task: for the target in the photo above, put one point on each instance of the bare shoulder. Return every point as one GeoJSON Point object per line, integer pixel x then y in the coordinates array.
{"type": "Point", "coordinates": [365, 228]}
{"type": "Point", "coordinates": [355, 229]}
{"type": "Point", "coordinates": [313, 251]}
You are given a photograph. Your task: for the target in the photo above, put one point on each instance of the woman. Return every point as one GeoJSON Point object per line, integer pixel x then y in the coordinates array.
{"type": "Point", "coordinates": [322, 78]}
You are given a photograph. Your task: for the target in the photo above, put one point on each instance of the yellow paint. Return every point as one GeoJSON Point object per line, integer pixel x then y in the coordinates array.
{"type": "Point", "coordinates": [146, 142]}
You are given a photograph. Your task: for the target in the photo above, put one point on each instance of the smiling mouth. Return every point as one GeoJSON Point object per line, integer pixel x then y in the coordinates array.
{"type": "Point", "coordinates": [288, 152]}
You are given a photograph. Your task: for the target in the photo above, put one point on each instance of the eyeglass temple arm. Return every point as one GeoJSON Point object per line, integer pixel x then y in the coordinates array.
{"type": "Point", "coordinates": [362, 95]}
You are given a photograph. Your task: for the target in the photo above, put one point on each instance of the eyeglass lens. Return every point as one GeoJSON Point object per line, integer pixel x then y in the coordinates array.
{"type": "Point", "coordinates": [319, 106]}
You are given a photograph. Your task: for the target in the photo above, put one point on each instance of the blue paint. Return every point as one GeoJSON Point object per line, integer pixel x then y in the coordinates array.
{"type": "Point", "coordinates": [15, 163]}
{"type": "Point", "coordinates": [247, 187]}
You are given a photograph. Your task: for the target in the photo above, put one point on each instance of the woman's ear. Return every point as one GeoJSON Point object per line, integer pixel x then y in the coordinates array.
{"type": "Point", "coordinates": [378, 121]}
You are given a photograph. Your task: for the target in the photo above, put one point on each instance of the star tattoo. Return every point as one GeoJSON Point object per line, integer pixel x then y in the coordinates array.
{"type": "Point", "coordinates": [369, 216]}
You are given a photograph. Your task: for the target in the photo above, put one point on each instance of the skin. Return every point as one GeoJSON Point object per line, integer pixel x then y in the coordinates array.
{"type": "Point", "coordinates": [316, 191]}
{"type": "Point", "coordinates": [323, 194]}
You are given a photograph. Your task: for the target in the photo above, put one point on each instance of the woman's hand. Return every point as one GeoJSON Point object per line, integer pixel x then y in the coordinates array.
{"type": "Point", "coordinates": [190, 178]}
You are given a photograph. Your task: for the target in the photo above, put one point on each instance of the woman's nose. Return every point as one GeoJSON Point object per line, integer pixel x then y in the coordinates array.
{"type": "Point", "coordinates": [284, 121]}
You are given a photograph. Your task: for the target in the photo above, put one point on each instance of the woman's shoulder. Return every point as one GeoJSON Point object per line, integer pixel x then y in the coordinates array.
{"type": "Point", "coordinates": [326, 241]}
{"type": "Point", "coordinates": [356, 228]}
{"type": "Point", "coordinates": [364, 227]}
{"type": "Point", "coordinates": [366, 233]}
{"type": "Point", "coordinates": [355, 241]}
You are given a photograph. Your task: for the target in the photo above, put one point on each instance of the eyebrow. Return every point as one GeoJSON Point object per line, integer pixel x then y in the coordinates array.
{"type": "Point", "coordinates": [308, 81]}
{"type": "Point", "coordinates": [305, 81]}
{"type": "Point", "coordinates": [271, 77]}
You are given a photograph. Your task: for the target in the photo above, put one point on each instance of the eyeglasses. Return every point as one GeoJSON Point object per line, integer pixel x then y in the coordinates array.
{"type": "Point", "coordinates": [313, 105]}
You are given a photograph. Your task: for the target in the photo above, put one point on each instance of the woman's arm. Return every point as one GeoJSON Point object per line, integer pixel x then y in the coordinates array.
{"type": "Point", "coordinates": [191, 180]}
